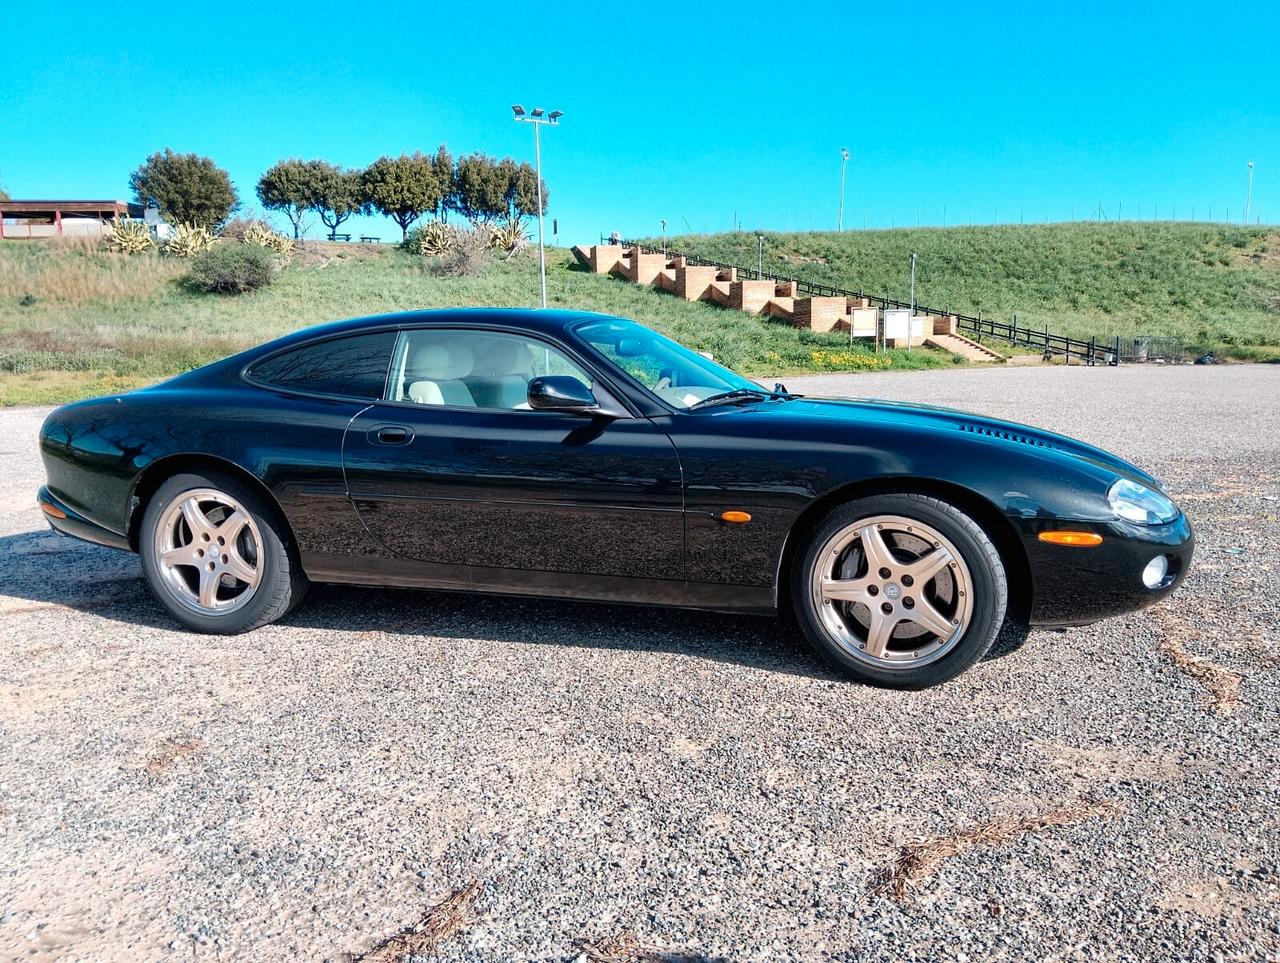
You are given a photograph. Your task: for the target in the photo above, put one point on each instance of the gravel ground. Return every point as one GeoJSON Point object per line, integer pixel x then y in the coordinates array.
{"type": "Point", "coordinates": [698, 781]}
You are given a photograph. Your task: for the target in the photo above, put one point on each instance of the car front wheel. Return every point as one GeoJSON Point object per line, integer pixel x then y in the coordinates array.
{"type": "Point", "coordinates": [904, 591]}
{"type": "Point", "coordinates": [216, 555]}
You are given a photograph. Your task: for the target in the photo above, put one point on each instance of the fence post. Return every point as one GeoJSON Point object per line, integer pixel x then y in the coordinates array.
{"type": "Point", "coordinates": [1115, 354]}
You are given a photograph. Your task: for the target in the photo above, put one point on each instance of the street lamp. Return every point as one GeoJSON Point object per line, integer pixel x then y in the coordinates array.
{"type": "Point", "coordinates": [538, 117]}
{"type": "Point", "coordinates": [1249, 199]}
{"type": "Point", "coordinates": [844, 160]}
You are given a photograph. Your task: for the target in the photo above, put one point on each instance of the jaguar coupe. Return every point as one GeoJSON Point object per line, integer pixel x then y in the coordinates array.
{"type": "Point", "coordinates": [574, 455]}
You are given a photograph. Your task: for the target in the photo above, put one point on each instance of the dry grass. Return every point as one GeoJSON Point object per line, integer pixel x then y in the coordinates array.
{"type": "Point", "coordinates": [1221, 685]}
{"type": "Point", "coordinates": [918, 860]}
{"type": "Point", "coordinates": [66, 274]}
{"type": "Point", "coordinates": [440, 922]}
{"type": "Point", "coordinates": [172, 752]}
{"type": "Point", "coordinates": [623, 947]}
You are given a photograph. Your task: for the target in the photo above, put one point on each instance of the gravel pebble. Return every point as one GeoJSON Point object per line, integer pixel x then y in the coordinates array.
{"type": "Point", "coordinates": [306, 791]}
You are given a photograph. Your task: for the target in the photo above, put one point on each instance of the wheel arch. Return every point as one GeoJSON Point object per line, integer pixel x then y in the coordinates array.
{"type": "Point", "coordinates": [992, 521]}
{"type": "Point", "coordinates": [162, 469]}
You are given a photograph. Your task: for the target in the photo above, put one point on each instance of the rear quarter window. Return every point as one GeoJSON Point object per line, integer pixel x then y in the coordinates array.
{"type": "Point", "coordinates": [353, 367]}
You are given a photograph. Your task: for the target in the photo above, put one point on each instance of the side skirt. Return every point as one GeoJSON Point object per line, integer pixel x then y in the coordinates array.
{"type": "Point", "coordinates": [407, 573]}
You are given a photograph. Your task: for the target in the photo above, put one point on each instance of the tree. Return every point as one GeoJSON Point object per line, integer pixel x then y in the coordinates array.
{"type": "Point", "coordinates": [403, 188]}
{"type": "Point", "coordinates": [289, 186]}
{"type": "Point", "coordinates": [188, 188]}
{"type": "Point", "coordinates": [442, 164]}
{"type": "Point", "coordinates": [522, 192]}
{"type": "Point", "coordinates": [480, 187]}
{"type": "Point", "coordinates": [338, 194]}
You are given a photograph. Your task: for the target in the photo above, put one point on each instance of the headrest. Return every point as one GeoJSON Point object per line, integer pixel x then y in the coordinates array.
{"type": "Point", "coordinates": [436, 361]}
{"type": "Point", "coordinates": [506, 357]}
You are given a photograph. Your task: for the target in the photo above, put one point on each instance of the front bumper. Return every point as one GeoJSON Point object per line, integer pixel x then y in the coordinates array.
{"type": "Point", "coordinates": [69, 522]}
{"type": "Point", "coordinates": [1075, 586]}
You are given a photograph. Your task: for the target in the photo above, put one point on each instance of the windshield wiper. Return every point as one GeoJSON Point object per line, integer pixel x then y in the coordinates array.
{"type": "Point", "coordinates": [732, 397]}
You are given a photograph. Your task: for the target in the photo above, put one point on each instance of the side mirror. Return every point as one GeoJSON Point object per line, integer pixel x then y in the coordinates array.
{"type": "Point", "coordinates": [561, 393]}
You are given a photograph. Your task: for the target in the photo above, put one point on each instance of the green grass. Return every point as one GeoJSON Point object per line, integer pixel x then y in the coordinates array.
{"type": "Point", "coordinates": [75, 322]}
{"type": "Point", "coordinates": [1213, 285]}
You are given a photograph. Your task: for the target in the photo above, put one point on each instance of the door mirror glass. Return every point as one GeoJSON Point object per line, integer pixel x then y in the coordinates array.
{"type": "Point", "coordinates": [560, 393]}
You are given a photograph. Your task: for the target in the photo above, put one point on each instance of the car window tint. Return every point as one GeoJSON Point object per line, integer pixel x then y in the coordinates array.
{"type": "Point", "coordinates": [473, 369]}
{"type": "Point", "coordinates": [354, 367]}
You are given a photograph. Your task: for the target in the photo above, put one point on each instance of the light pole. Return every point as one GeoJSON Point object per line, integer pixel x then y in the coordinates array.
{"type": "Point", "coordinates": [844, 160]}
{"type": "Point", "coordinates": [759, 256]}
{"type": "Point", "coordinates": [538, 117]}
{"type": "Point", "coordinates": [664, 237]}
{"type": "Point", "coordinates": [1249, 198]}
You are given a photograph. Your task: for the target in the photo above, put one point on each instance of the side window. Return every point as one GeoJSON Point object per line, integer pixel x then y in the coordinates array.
{"type": "Point", "coordinates": [354, 367]}
{"type": "Point", "coordinates": [473, 369]}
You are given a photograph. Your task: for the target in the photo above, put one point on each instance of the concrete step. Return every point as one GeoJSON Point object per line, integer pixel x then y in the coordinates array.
{"type": "Point", "coordinates": [959, 344]}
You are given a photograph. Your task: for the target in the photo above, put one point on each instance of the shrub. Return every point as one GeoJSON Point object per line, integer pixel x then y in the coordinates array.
{"type": "Point", "coordinates": [237, 226]}
{"type": "Point", "coordinates": [130, 236]}
{"type": "Point", "coordinates": [231, 269]}
{"type": "Point", "coordinates": [468, 256]}
{"type": "Point", "coordinates": [188, 241]}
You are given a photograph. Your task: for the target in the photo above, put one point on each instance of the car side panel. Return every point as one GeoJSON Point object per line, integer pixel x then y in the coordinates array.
{"type": "Point", "coordinates": [774, 468]}
{"type": "Point", "coordinates": [96, 453]}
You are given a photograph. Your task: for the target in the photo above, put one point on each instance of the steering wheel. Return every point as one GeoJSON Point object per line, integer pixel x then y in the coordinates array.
{"type": "Point", "coordinates": [663, 382]}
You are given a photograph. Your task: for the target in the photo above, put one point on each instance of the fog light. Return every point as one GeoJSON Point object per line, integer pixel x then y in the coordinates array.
{"type": "Point", "coordinates": [1155, 571]}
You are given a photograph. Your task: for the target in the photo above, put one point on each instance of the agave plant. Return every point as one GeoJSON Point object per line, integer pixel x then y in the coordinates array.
{"type": "Point", "coordinates": [188, 241]}
{"type": "Point", "coordinates": [510, 236]}
{"type": "Point", "coordinates": [436, 239]}
{"type": "Point", "coordinates": [259, 234]}
{"type": "Point", "coordinates": [130, 236]}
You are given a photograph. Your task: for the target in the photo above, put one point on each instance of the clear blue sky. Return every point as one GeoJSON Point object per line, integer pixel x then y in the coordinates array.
{"type": "Point", "coordinates": [685, 112]}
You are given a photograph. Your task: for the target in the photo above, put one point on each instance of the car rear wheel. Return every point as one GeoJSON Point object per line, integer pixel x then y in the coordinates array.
{"type": "Point", "coordinates": [904, 591]}
{"type": "Point", "coordinates": [216, 556]}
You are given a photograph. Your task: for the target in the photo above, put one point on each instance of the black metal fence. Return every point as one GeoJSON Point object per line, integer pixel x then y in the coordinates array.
{"type": "Point", "coordinates": [1111, 350]}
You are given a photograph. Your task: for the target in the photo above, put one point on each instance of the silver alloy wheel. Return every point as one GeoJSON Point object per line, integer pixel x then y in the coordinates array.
{"type": "Point", "coordinates": [209, 551]}
{"type": "Point", "coordinates": [892, 592]}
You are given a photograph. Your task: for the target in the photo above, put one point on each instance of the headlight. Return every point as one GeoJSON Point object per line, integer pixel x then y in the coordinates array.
{"type": "Point", "coordinates": [1138, 503]}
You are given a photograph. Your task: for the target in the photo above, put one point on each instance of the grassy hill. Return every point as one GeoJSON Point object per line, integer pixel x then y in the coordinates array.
{"type": "Point", "coordinates": [1215, 286]}
{"type": "Point", "coordinates": [76, 322]}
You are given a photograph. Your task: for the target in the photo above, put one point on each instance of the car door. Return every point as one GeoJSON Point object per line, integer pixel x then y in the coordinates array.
{"type": "Point", "coordinates": [453, 466]}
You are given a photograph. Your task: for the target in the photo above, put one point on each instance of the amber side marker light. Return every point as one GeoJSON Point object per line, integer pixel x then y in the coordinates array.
{"type": "Point", "coordinates": [51, 510]}
{"type": "Point", "coordinates": [737, 518]}
{"type": "Point", "coordinates": [1077, 539]}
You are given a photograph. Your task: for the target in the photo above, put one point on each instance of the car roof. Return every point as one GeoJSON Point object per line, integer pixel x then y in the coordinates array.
{"type": "Point", "coordinates": [550, 321]}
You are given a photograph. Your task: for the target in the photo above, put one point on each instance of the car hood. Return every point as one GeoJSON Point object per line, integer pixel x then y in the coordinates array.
{"type": "Point", "coordinates": [923, 417]}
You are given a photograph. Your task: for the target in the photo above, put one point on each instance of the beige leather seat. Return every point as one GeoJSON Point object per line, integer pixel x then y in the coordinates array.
{"type": "Point", "coordinates": [438, 369]}
{"type": "Point", "coordinates": [501, 379]}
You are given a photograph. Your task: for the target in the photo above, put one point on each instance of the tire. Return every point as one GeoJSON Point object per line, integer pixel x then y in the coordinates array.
{"type": "Point", "coordinates": [936, 613]}
{"type": "Point", "coordinates": [226, 565]}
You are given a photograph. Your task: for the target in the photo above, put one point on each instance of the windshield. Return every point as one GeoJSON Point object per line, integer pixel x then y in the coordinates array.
{"type": "Point", "coordinates": [675, 374]}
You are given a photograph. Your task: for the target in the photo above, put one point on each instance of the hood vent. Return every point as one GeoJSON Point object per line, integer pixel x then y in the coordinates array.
{"type": "Point", "coordinates": [1007, 436]}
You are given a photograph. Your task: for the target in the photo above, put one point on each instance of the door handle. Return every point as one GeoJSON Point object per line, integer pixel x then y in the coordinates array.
{"type": "Point", "coordinates": [390, 435]}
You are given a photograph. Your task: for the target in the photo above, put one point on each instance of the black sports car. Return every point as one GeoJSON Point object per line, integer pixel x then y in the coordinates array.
{"type": "Point", "coordinates": [576, 455]}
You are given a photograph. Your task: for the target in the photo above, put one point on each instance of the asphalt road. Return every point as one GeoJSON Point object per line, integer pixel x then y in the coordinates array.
{"type": "Point", "coordinates": [308, 790]}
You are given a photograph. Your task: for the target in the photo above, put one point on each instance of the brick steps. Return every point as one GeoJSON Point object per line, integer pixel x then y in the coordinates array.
{"type": "Point", "coordinates": [775, 299]}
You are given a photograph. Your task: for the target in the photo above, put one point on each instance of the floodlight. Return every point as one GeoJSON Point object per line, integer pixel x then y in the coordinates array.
{"type": "Point", "coordinates": [517, 110]}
